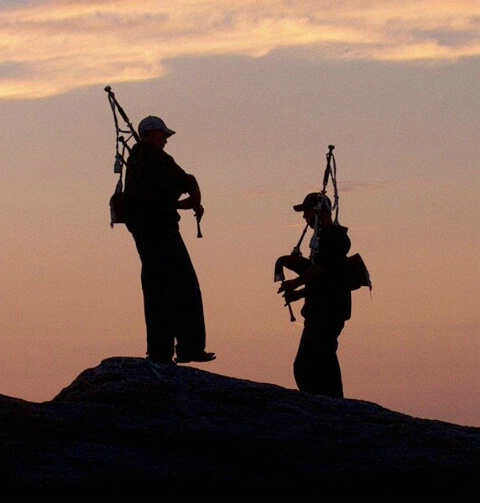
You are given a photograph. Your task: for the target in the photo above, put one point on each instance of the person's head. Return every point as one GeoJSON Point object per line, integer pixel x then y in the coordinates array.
{"type": "Point", "coordinates": [154, 129]}
{"type": "Point", "coordinates": [314, 204]}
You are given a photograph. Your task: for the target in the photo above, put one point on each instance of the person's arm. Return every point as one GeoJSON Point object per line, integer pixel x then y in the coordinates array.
{"type": "Point", "coordinates": [293, 295]}
{"type": "Point", "coordinates": [293, 262]}
{"type": "Point", "coordinates": [313, 273]}
{"type": "Point", "coordinates": [193, 200]}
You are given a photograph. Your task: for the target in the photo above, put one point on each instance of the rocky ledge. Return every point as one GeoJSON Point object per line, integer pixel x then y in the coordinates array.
{"type": "Point", "coordinates": [131, 430]}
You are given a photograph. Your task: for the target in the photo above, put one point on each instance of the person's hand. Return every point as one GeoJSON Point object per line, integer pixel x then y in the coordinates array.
{"type": "Point", "coordinates": [291, 296]}
{"type": "Point", "coordinates": [288, 285]}
{"type": "Point", "coordinates": [199, 211]}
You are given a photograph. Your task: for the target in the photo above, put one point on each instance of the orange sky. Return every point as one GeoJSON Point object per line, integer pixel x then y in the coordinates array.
{"type": "Point", "coordinates": [256, 93]}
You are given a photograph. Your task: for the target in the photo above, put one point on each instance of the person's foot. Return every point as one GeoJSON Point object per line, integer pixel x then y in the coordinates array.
{"type": "Point", "coordinates": [201, 357]}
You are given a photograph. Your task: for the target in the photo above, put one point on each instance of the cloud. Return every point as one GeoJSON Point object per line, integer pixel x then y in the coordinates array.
{"type": "Point", "coordinates": [51, 47]}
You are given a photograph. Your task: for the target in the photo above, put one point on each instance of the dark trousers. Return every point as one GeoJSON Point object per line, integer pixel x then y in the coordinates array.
{"type": "Point", "coordinates": [316, 368]}
{"type": "Point", "coordinates": [172, 298]}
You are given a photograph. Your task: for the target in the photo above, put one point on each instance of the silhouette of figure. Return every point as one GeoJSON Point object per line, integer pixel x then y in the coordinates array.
{"type": "Point", "coordinates": [173, 304]}
{"type": "Point", "coordinates": [327, 295]}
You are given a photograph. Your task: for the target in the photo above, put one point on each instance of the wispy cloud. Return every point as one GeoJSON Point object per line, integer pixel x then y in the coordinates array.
{"type": "Point", "coordinates": [51, 47]}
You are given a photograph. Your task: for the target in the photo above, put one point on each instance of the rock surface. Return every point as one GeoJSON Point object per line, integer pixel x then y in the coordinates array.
{"type": "Point", "coordinates": [129, 429]}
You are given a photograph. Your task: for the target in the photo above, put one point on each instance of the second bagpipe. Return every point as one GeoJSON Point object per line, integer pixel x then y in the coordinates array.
{"type": "Point", "coordinates": [358, 274]}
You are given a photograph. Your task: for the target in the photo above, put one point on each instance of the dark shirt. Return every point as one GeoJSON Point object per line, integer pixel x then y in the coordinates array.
{"type": "Point", "coordinates": [153, 184]}
{"type": "Point", "coordinates": [329, 294]}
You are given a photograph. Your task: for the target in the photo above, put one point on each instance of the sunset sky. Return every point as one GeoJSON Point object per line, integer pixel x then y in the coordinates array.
{"type": "Point", "coordinates": [256, 92]}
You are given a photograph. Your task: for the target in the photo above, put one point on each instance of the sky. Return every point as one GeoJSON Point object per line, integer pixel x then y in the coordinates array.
{"type": "Point", "coordinates": [256, 92]}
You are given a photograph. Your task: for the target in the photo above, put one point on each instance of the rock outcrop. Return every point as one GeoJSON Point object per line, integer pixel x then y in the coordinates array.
{"type": "Point", "coordinates": [130, 430]}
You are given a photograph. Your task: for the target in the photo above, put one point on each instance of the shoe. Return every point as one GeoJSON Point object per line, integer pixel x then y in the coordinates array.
{"type": "Point", "coordinates": [202, 357]}
{"type": "Point", "coordinates": [160, 361]}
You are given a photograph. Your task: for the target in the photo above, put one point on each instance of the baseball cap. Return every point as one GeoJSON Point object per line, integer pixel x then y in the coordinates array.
{"type": "Point", "coordinates": [313, 199]}
{"type": "Point", "coordinates": [152, 123]}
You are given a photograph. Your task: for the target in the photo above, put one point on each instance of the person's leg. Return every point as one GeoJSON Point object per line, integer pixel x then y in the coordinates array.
{"type": "Point", "coordinates": [156, 287]}
{"type": "Point", "coordinates": [305, 362]}
{"type": "Point", "coordinates": [186, 304]}
{"type": "Point", "coordinates": [316, 366]}
{"type": "Point", "coordinates": [329, 381]}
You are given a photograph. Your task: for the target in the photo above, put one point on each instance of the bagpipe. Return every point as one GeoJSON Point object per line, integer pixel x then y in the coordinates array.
{"type": "Point", "coordinates": [117, 202]}
{"type": "Point", "coordinates": [357, 272]}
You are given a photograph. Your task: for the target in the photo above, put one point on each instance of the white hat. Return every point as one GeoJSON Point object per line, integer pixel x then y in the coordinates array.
{"type": "Point", "coordinates": [152, 123]}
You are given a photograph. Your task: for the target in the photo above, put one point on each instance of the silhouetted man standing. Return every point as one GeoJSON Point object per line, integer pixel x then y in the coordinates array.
{"type": "Point", "coordinates": [173, 304]}
{"type": "Point", "coordinates": [327, 297]}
